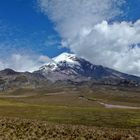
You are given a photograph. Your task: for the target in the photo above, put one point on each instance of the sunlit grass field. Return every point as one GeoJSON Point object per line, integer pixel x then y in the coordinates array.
{"type": "Point", "coordinates": [69, 107]}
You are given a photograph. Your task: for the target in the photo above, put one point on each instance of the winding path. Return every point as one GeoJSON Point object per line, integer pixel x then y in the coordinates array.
{"type": "Point", "coordinates": [109, 106]}
{"type": "Point", "coordinates": [117, 106]}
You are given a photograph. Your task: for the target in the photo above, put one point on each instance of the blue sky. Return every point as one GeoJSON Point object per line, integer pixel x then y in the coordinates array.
{"type": "Point", "coordinates": [31, 28]}
{"type": "Point", "coordinates": [132, 9]}
{"type": "Point", "coordinates": [24, 22]}
{"type": "Point", "coordinates": [27, 28]}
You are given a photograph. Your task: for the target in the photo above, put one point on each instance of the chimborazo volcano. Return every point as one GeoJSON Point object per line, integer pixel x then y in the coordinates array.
{"type": "Point", "coordinates": [68, 69]}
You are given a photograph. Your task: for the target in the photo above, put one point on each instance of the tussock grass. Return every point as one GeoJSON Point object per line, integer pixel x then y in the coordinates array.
{"type": "Point", "coordinates": [23, 129]}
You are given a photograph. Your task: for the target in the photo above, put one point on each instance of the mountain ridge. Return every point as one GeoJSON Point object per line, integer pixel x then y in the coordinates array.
{"type": "Point", "coordinates": [71, 64]}
{"type": "Point", "coordinates": [66, 69]}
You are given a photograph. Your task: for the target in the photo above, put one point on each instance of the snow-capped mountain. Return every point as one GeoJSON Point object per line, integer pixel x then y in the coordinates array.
{"type": "Point", "coordinates": [70, 67]}
{"type": "Point", "coordinates": [66, 69]}
{"type": "Point", "coordinates": [63, 67]}
{"type": "Point", "coordinates": [61, 63]}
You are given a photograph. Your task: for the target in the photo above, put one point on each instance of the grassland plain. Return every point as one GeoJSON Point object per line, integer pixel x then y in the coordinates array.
{"type": "Point", "coordinates": [73, 111]}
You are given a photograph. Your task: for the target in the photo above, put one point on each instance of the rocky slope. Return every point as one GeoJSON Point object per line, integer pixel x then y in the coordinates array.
{"type": "Point", "coordinates": [70, 67]}
{"type": "Point", "coordinates": [10, 79]}
{"type": "Point", "coordinates": [66, 69]}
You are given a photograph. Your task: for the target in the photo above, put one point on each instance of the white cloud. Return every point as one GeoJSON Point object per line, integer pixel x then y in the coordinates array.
{"type": "Point", "coordinates": [44, 59]}
{"type": "Point", "coordinates": [85, 28]}
{"type": "Point", "coordinates": [112, 45]}
{"type": "Point", "coordinates": [23, 63]}
{"type": "Point", "coordinates": [71, 16]}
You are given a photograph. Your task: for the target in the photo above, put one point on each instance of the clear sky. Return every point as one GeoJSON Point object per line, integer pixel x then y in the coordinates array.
{"type": "Point", "coordinates": [31, 30]}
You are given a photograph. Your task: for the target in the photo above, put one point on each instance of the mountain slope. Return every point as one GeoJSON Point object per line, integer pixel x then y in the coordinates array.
{"type": "Point", "coordinates": [66, 69]}
{"type": "Point", "coordinates": [69, 67]}
{"type": "Point", "coordinates": [10, 79]}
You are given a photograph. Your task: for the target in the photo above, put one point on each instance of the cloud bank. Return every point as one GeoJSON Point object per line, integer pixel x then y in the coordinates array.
{"type": "Point", "coordinates": [23, 63]}
{"type": "Point", "coordinates": [89, 29]}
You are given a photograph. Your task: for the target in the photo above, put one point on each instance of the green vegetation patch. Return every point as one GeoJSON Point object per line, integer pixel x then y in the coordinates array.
{"type": "Point", "coordinates": [72, 115]}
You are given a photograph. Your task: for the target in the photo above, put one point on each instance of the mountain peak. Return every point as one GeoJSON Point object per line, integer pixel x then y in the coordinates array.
{"type": "Point", "coordinates": [8, 72]}
{"type": "Point", "coordinates": [68, 58]}
{"type": "Point", "coordinates": [60, 61]}
{"type": "Point", "coordinates": [65, 57]}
